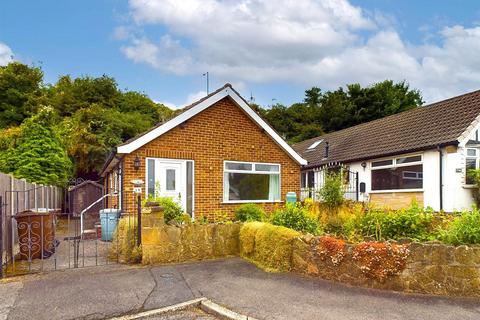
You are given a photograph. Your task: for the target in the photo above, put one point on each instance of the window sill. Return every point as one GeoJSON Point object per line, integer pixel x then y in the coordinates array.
{"type": "Point", "coordinates": [252, 201]}
{"type": "Point", "coordinates": [469, 186]}
{"type": "Point", "coordinates": [396, 191]}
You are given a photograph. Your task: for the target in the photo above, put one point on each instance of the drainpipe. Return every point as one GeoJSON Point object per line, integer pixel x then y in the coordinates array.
{"type": "Point", "coordinates": [440, 159]}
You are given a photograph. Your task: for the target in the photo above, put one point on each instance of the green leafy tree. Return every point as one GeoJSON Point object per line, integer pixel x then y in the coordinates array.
{"type": "Point", "coordinates": [69, 95]}
{"type": "Point", "coordinates": [339, 109]}
{"type": "Point", "coordinates": [38, 154]}
{"type": "Point", "coordinates": [20, 88]}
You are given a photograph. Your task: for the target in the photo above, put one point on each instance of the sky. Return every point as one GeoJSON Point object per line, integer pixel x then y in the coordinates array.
{"type": "Point", "coordinates": [270, 50]}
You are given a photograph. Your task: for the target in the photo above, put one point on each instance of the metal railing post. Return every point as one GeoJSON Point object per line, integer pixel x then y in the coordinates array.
{"type": "Point", "coordinates": [356, 187]}
{"type": "Point", "coordinates": [139, 220]}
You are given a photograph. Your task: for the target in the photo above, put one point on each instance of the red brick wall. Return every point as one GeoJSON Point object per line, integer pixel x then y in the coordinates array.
{"type": "Point", "coordinates": [221, 132]}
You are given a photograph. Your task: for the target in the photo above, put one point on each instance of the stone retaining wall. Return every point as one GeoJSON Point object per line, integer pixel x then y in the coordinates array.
{"type": "Point", "coordinates": [168, 244]}
{"type": "Point", "coordinates": [432, 268]}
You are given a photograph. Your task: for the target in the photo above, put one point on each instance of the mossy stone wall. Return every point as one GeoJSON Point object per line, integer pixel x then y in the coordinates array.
{"type": "Point", "coordinates": [163, 243]}
{"type": "Point", "coordinates": [432, 267]}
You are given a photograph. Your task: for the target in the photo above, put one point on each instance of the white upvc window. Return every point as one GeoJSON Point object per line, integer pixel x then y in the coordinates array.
{"type": "Point", "coordinates": [251, 182]}
{"type": "Point", "coordinates": [472, 162]}
{"type": "Point", "coordinates": [399, 173]}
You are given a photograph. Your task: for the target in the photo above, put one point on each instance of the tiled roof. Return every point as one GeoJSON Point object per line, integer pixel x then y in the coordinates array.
{"type": "Point", "coordinates": [440, 123]}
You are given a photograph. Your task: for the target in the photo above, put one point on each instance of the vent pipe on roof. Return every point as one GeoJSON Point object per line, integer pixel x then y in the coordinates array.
{"type": "Point", "coordinates": [326, 149]}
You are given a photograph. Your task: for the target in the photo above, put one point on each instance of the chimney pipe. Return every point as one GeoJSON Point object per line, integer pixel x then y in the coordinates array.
{"type": "Point", "coordinates": [326, 150]}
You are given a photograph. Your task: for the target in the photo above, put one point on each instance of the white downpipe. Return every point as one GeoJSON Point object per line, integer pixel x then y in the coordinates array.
{"type": "Point", "coordinates": [113, 194]}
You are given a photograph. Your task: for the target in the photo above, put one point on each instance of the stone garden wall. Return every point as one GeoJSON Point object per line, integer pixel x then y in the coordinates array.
{"type": "Point", "coordinates": [167, 243]}
{"type": "Point", "coordinates": [432, 268]}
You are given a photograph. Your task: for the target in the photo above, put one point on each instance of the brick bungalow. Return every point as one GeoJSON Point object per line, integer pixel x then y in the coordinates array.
{"type": "Point", "coordinates": [215, 155]}
{"type": "Point", "coordinates": [421, 154]}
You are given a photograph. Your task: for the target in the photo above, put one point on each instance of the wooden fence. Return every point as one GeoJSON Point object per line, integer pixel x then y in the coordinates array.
{"type": "Point", "coordinates": [17, 195]}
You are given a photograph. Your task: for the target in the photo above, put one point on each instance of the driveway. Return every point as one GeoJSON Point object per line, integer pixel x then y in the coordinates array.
{"type": "Point", "coordinates": [101, 292]}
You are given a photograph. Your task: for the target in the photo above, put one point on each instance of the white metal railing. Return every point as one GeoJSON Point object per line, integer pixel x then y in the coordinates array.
{"type": "Point", "coordinates": [314, 194]}
{"type": "Point", "coordinates": [113, 194]}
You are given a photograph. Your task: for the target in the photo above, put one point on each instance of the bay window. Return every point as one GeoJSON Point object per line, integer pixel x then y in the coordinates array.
{"type": "Point", "coordinates": [398, 173]}
{"type": "Point", "coordinates": [251, 182]}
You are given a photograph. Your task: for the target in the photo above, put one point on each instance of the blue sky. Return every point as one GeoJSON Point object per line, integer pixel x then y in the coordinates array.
{"type": "Point", "coordinates": [274, 50]}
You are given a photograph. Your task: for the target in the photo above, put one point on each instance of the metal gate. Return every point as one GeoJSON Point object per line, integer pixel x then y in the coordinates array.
{"type": "Point", "coordinates": [44, 239]}
{"type": "Point", "coordinates": [317, 181]}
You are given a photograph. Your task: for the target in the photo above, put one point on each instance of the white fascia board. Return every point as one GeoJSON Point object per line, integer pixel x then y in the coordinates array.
{"type": "Point", "coordinates": [169, 125]}
{"type": "Point", "coordinates": [464, 137]}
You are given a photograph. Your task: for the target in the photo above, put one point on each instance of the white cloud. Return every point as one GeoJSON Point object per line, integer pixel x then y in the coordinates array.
{"type": "Point", "coordinates": [313, 42]}
{"type": "Point", "coordinates": [6, 54]}
{"type": "Point", "coordinates": [193, 97]}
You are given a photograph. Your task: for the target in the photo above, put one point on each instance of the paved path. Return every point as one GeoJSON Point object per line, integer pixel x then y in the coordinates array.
{"type": "Point", "coordinates": [101, 292]}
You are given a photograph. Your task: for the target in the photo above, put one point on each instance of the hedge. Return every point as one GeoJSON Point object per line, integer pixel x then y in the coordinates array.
{"type": "Point", "coordinates": [268, 246]}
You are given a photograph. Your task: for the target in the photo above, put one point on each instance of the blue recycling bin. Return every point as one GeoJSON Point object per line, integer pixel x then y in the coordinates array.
{"type": "Point", "coordinates": [109, 220]}
{"type": "Point", "coordinates": [291, 197]}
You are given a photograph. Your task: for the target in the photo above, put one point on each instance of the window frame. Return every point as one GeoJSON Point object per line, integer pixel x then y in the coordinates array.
{"type": "Point", "coordinates": [477, 164]}
{"type": "Point", "coordinates": [396, 165]}
{"type": "Point", "coordinates": [253, 171]}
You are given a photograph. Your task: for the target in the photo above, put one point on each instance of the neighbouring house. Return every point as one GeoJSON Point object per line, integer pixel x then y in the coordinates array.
{"type": "Point", "coordinates": [422, 154]}
{"type": "Point", "coordinates": [215, 155]}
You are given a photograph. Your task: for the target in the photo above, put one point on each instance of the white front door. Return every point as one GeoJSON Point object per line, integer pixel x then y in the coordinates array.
{"type": "Point", "coordinates": [171, 177]}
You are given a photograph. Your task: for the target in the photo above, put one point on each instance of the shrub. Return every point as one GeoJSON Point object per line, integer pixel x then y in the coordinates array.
{"type": "Point", "coordinates": [171, 209]}
{"type": "Point", "coordinates": [413, 222]}
{"type": "Point", "coordinates": [268, 246]}
{"type": "Point", "coordinates": [249, 212]}
{"type": "Point", "coordinates": [464, 229]}
{"type": "Point", "coordinates": [346, 222]}
{"type": "Point", "coordinates": [332, 191]}
{"type": "Point", "coordinates": [295, 216]}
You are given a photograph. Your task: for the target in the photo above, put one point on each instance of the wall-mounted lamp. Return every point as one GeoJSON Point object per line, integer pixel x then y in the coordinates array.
{"type": "Point", "coordinates": [136, 163]}
{"type": "Point", "coordinates": [364, 165]}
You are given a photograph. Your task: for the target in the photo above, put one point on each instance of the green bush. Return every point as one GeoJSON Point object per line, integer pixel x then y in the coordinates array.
{"type": "Point", "coordinates": [268, 246]}
{"type": "Point", "coordinates": [297, 217]}
{"type": "Point", "coordinates": [249, 212]}
{"type": "Point", "coordinates": [171, 209]}
{"type": "Point", "coordinates": [332, 191]}
{"type": "Point", "coordinates": [464, 229]}
{"type": "Point", "coordinates": [414, 222]}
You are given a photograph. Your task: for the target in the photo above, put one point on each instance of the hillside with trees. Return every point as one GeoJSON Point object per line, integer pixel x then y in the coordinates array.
{"type": "Point", "coordinates": [50, 132]}
{"type": "Point", "coordinates": [334, 110]}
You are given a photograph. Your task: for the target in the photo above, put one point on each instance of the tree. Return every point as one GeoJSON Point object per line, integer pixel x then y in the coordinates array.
{"type": "Point", "coordinates": [20, 87]}
{"type": "Point", "coordinates": [67, 95]}
{"type": "Point", "coordinates": [313, 96]}
{"type": "Point", "coordinates": [38, 154]}
{"type": "Point", "coordinates": [92, 132]}
{"type": "Point", "coordinates": [340, 109]}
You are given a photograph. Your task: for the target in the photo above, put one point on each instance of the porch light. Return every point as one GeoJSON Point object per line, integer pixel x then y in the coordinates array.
{"type": "Point", "coordinates": [136, 163]}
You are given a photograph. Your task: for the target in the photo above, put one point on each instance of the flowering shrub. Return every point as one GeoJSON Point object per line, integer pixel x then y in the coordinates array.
{"type": "Point", "coordinates": [379, 260]}
{"type": "Point", "coordinates": [332, 248]}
